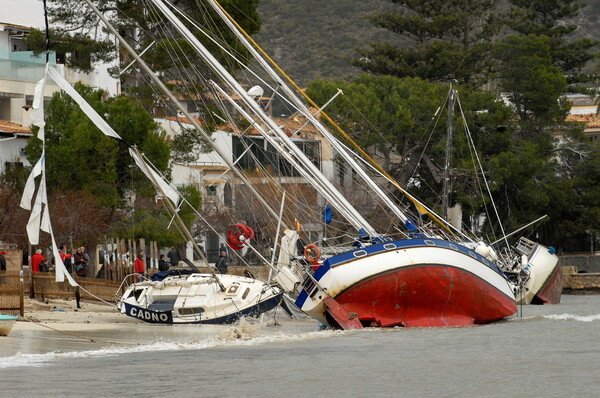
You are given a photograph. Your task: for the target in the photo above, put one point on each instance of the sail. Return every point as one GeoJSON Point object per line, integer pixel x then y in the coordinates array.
{"type": "Point", "coordinates": [30, 184]}
{"type": "Point", "coordinates": [153, 176]}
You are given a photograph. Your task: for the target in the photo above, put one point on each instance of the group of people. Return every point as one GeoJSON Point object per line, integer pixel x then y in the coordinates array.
{"type": "Point", "coordinates": [163, 263]}
{"type": "Point", "coordinates": [78, 261]}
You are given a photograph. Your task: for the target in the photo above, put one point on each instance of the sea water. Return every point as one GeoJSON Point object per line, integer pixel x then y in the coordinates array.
{"type": "Point", "coordinates": [545, 351]}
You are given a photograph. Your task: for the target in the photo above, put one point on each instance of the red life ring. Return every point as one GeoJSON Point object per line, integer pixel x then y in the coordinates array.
{"type": "Point", "coordinates": [312, 253]}
{"type": "Point", "coordinates": [237, 237]}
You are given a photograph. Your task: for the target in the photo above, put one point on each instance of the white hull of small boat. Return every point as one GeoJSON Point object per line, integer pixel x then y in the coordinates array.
{"type": "Point", "coordinates": [198, 298]}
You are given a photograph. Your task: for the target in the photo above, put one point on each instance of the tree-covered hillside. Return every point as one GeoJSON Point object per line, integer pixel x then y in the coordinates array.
{"type": "Point", "coordinates": [311, 38]}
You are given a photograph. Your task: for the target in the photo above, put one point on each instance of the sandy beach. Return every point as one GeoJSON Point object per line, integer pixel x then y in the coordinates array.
{"type": "Point", "coordinates": [59, 326]}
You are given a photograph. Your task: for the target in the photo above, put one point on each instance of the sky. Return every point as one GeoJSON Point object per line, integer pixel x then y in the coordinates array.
{"type": "Point", "coordinates": [22, 12]}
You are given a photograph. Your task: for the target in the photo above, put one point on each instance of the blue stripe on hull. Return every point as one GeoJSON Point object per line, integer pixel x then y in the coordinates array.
{"type": "Point", "coordinates": [261, 307]}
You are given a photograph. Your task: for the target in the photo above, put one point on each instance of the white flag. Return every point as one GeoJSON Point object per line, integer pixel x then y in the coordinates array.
{"type": "Point", "coordinates": [85, 107]}
{"type": "Point", "coordinates": [37, 111]}
{"type": "Point", "coordinates": [30, 185]}
{"type": "Point", "coordinates": [35, 218]}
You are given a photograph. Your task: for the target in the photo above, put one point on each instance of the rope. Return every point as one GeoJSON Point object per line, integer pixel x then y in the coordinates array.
{"type": "Point", "coordinates": [71, 333]}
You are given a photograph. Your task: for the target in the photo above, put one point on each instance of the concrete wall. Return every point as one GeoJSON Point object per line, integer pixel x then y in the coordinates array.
{"type": "Point", "coordinates": [583, 263]}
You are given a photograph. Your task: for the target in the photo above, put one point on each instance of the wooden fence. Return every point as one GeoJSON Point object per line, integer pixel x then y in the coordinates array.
{"type": "Point", "coordinates": [14, 285]}
{"type": "Point", "coordinates": [44, 284]}
{"type": "Point", "coordinates": [11, 293]}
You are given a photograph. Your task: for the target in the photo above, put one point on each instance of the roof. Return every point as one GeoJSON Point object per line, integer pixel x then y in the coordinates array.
{"type": "Point", "coordinates": [13, 128]}
{"type": "Point", "coordinates": [12, 26]}
{"type": "Point", "coordinates": [289, 125]}
{"type": "Point", "coordinates": [591, 120]}
{"type": "Point", "coordinates": [582, 99]}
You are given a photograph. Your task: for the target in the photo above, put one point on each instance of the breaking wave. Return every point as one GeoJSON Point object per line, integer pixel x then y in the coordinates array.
{"type": "Point", "coordinates": [580, 318]}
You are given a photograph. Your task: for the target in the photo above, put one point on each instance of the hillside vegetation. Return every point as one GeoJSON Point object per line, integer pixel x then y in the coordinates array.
{"type": "Point", "coordinates": [312, 38]}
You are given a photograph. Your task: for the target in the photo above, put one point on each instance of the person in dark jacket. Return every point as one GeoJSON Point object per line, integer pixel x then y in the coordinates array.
{"type": "Point", "coordinates": [222, 262]}
{"type": "Point", "coordinates": [163, 265]}
{"type": "Point", "coordinates": [81, 262]}
{"type": "Point", "coordinates": [2, 261]}
{"type": "Point", "coordinates": [173, 255]}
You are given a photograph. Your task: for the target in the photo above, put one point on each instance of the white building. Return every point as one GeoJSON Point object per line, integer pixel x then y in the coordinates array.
{"type": "Point", "coordinates": [20, 70]}
{"type": "Point", "coordinates": [211, 175]}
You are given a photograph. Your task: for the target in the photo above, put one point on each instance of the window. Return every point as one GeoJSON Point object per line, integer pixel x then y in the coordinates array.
{"type": "Point", "coordinates": [211, 190]}
{"type": "Point", "coordinates": [262, 154]}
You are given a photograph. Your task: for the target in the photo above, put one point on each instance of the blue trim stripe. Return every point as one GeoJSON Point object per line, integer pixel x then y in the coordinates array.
{"type": "Point", "coordinates": [259, 308]}
{"type": "Point", "coordinates": [408, 243]}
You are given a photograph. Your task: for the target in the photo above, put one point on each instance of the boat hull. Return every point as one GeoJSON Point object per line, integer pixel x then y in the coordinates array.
{"type": "Point", "coordinates": [552, 290]}
{"type": "Point", "coordinates": [6, 324]}
{"type": "Point", "coordinates": [544, 285]}
{"type": "Point", "coordinates": [166, 317]}
{"type": "Point", "coordinates": [413, 283]}
{"type": "Point", "coordinates": [426, 295]}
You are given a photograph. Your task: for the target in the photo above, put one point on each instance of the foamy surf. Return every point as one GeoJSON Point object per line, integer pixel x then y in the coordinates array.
{"type": "Point", "coordinates": [580, 318]}
{"type": "Point", "coordinates": [242, 335]}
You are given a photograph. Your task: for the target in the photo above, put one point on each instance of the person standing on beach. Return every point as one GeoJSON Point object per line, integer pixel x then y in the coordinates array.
{"type": "Point", "coordinates": [222, 262]}
{"type": "Point", "coordinates": [2, 261]}
{"type": "Point", "coordinates": [36, 259]}
{"type": "Point", "coordinates": [81, 262]}
{"type": "Point", "coordinates": [173, 255]}
{"type": "Point", "coordinates": [138, 264]}
{"type": "Point", "coordinates": [163, 265]}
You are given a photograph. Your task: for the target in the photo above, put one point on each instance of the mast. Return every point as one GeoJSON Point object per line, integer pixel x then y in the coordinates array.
{"type": "Point", "coordinates": [300, 105]}
{"type": "Point", "coordinates": [284, 153]}
{"type": "Point", "coordinates": [183, 110]}
{"type": "Point", "coordinates": [447, 165]}
{"type": "Point", "coordinates": [251, 45]}
{"type": "Point", "coordinates": [340, 201]}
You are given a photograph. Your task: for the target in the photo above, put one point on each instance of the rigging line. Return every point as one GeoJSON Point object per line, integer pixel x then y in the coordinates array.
{"type": "Point", "coordinates": [306, 168]}
{"type": "Point", "coordinates": [477, 182]}
{"type": "Point", "coordinates": [183, 199]}
{"type": "Point", "coordinates": [47, 32]}
{"type": "Point", "coordinates": [483, 174]}
{"type": "Point", "coordinates": [159, 82]}
{"type": "Point", "coordinates": [244, 67]}
{"type": "Point", "coordinates": [450, 226]}
{"type": "Point", "coordinates": [176, 53]}
{"type": "Point", "coordinates": [520, 229]}
{"type": "Point", "coordinates": [325, 185]}
{"type": "Point", "coordinates": [437, 116]}
{"type": "Point", "coordinates": [133, 62]}
{"type": "Point", "coordinates": [275, 186]}
{"type": "Point", "coordinates": [307, 213]}
{"type": "Point", "coordinates": [340, 131]}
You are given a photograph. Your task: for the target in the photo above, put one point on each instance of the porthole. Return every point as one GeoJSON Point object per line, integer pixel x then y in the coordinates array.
{"type": "Point", "coordinates": [429, 242]}
{"type": "Point", "coordinates": [389, 246]}
{"type": "Point", "coordinates": [360, 253]}
{"type": "Point", "coordinates": [453, 247]}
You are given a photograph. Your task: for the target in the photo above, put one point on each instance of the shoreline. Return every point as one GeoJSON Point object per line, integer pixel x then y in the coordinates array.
{"type": "Point", "coordinates": [60, 327]}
